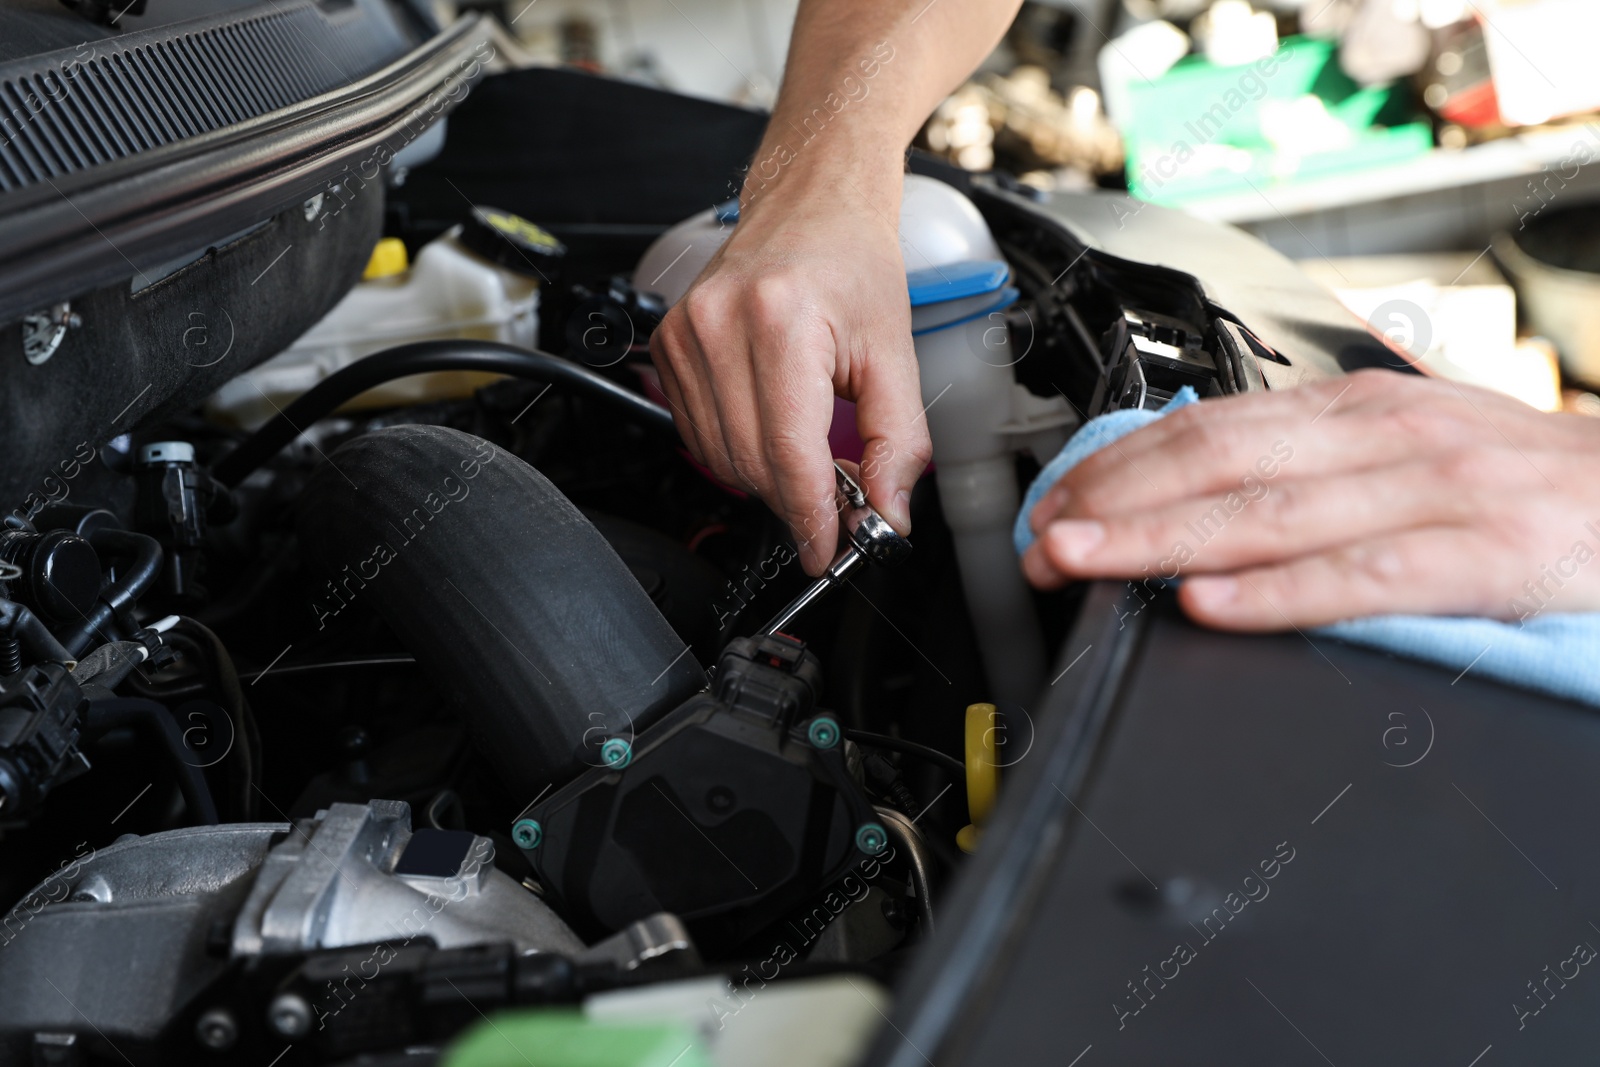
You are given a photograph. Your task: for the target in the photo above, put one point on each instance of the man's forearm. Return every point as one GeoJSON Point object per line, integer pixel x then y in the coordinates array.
{"type": "Point", "coordinates": [806, 300]}
{"type": "Point", "coordinates": [861, 77]}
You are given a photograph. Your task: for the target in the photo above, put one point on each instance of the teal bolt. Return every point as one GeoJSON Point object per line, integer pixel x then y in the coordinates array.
{"type": "Point", "coordinates": [824, 732]}
{"type": "Point", "coordinates": [872, 838]}
{"type": "Point", "coordinates": [527, 833]}
{"type": "Point", "coordinates": [616, 753]}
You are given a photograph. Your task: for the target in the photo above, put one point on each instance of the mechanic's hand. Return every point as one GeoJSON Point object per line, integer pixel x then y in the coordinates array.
{"type": "Point", "coordinates": [806, 300]}
{"type": "Point", "coordinates": [1372, 494]}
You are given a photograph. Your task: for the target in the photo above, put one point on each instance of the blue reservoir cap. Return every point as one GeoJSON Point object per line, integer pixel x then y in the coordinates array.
{"type": "Point", "coordinates": [956, 281]}
{"type": "Point", "coordinates": [955, 312]}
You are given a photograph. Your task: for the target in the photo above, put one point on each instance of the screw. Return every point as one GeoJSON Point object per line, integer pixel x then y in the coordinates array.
{"type": "Point", "coordinates": [616, 753]}
{"type": "Point", "coordinates": [290, 1015]}
{"type": "Point", "coordinates": [871, 838]}
{"type": "Point", "coordinates": [823, 733]}
{"type": "Point", "coordinates": [215, 1029]}
{"type": "Point", "coordinates": [721, 799]}
{"type": "Point", "coordinates": [527, 833]}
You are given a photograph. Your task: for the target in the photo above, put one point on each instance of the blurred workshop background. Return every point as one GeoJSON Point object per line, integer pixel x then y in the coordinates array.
{"type": "Point", "coordinates": [1436, 163]}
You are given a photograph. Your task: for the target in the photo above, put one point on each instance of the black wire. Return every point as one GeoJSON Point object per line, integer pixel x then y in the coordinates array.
{"type": "Point", "coordinates": [166, 694]}
{"type": "Point", "coordinates": [144, 558]}
{"type": "Point", "coordinates": [426, 357]}
{"type": "Point", "coordinates": [227, 681]}
{"type": "Point", "coordinates": [400, 660]}
{"type": "Point", "coordinates": [436, 812]}
{"type": "Point", "coordinates": [178, 690]}
{"type": "Point", "coordinates": [910, 748]}
{"type": "Point", "coordinates": [156, 722]}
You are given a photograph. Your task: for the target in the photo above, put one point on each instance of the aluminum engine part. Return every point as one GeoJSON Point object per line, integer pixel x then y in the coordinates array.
{"type": "Point", "coordinates": [120, 934]}
{"type": "Point", "coordinates": [121, 939]}
{"type": "Point", "coordinates": [638, 943]}
{"type": "Point", "coordinates": [357, 874]}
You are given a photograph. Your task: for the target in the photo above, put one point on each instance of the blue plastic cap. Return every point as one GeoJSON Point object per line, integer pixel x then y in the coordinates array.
{"type": "Point", "coordinates": [956, 281]}
{"type": "Point", "coordinates": [1002, 300]}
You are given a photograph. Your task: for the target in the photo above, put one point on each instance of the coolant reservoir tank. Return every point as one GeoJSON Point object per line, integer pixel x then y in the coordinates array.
{"type": "Point", "coordinates": [472, 282]}
{"type": "Point", "coordinates": [958, 286]}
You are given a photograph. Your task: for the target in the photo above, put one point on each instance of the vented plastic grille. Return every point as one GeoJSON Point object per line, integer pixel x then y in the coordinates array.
{"type": "Point", "coordinates": [121, 98]}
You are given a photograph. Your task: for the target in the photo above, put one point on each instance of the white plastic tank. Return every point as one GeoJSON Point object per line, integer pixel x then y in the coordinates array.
{"type": "Point", "coordinates": [978, 416]}
{"type": "Point", "coordinates": [448, 292]}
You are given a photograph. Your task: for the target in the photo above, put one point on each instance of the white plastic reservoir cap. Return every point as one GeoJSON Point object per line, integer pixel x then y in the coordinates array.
{"type": "Point", "coordinates": [938, 226]}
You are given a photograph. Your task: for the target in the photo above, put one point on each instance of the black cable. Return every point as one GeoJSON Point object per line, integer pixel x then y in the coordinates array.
{"type": "Point", "coordinates": [227, 680]}
{"type": "Point", "coordinates": [427, 357]}
{"type": "Point", "coordinates": [168, 693]}
{"type": "Point", "coordinates": [145, 560]}
{"type": "Point", "coordinates": [436, 812]}
{"type": "Point", "coordinates": [396, 660]}
{"type": "Point", "coordinates": [157, 722]}
{"type": "Point", "coordinates": [910, 748]}
{"type": "Point", "coordinates": [180, 690]}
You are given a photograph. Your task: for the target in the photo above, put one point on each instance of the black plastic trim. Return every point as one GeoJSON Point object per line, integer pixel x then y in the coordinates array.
{"type": "Point", "coordinates": [1031, 829]}
{"type": "Point", "coordinates": [62, 238]}
{"type": "Point", "coordinates": [66, 111]}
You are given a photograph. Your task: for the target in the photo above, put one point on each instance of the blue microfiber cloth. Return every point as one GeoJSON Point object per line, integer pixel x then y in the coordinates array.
{"type": "Point", "coordinates": [1551, 653]}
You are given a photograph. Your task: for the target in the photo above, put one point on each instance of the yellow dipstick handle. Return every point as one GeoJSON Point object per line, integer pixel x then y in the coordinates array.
{"type": "Point", "coordinates": [388, 260]}
{"type": "Point", "coordinates": [983, 771]}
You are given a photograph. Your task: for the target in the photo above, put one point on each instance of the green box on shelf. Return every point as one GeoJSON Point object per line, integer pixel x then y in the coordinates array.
{"type": "Point", "coordinates": [1199, 130]}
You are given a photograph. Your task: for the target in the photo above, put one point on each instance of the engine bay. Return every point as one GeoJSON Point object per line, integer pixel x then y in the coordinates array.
{"type": "Point", "coordinates": [409, 668]}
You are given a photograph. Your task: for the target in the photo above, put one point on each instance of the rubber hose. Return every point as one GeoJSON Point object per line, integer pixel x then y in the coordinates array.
{"type": "Point", "coordinates": [145, 556]}
{"type": "Point", "coordinates": [18, 622]}
{"type": "Point", "coordinates": [155, 721]}
{"type": "Point", "coordinates": [508, 597]}
{"type": "Point", "coordinates": [426, 357]}
{"type": "Point", "coordinates": [247, 739]}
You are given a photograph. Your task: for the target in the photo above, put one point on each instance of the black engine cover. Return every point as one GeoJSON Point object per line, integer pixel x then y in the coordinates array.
{"type": "Point", "coordinates": [726, 813]}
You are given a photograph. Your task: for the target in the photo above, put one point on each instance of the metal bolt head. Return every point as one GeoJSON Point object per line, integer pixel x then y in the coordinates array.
{"type": "Point", "coordinates": [616, 753]}
{"type": "Point", "coordinates": [823, 732]}
{"type": "Point", "coordinates": [290, 1015]}
{"type": "Point", "coordinates": [527, 833]}
{"type": "Point", "coordinates": [872, 838]}
{"type": "Point", "coordinates": [216, 1029]}
{"type": "Point", "coordinates": [877, 540]}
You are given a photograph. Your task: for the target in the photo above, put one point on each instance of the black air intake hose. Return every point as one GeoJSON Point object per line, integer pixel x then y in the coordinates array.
{"type": "Point", "coordinates": [510, 598]}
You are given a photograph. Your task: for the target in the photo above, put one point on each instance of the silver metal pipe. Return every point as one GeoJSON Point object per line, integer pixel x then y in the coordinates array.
{"type": "Point", "coordinates": [907, 835]}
